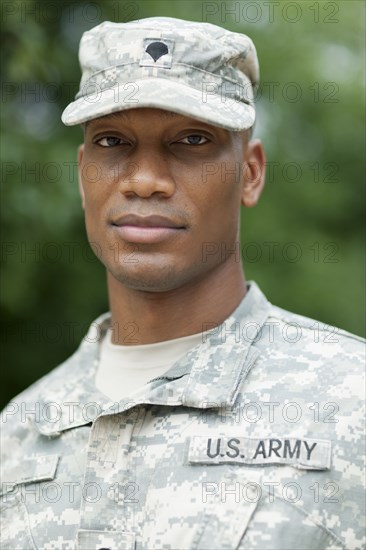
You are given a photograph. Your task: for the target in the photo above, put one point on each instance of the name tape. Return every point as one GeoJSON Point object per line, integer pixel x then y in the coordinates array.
{"type": "Point", "coordinates": [312, 454]}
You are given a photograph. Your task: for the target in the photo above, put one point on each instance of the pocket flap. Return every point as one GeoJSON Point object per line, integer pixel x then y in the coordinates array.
{"type": "Point", "coordinates": [29, 470]}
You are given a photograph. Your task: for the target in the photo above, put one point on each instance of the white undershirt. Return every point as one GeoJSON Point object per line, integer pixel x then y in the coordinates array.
{"type": "Point", "coordinates": [124, 369]}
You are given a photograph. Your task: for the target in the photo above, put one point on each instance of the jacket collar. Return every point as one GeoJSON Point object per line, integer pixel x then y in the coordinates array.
{"type": "Point", "coordinates": [208, 376]}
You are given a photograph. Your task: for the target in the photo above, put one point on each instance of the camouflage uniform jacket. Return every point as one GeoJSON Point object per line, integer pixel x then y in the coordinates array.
{"type": "Point", "coordinates": [253, 440]}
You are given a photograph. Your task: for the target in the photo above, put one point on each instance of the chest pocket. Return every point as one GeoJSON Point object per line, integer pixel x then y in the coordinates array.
{"type": "Point", "coordinates": [226, 507]}
{"type": "Point", "coordinates": [280, 524]}
{"type": "Point", "coordinates": [199, 507]}
{"type": "Point", "coordinates": [15, 532]}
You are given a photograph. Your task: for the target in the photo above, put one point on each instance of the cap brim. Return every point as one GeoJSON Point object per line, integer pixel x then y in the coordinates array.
{"type": "Point", "coordinates": [164, 94]}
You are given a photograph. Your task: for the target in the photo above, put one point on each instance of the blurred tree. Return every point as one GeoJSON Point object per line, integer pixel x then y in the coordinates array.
{"type": "Point", "coordinates": [303, 243]}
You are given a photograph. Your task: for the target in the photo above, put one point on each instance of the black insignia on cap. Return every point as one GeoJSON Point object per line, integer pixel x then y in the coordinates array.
{"type": "Point", "coordinates": [157, 49]}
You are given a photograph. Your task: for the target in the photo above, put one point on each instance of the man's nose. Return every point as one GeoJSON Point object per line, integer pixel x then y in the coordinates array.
{"type": "Point", "coordinates": [146, 174]}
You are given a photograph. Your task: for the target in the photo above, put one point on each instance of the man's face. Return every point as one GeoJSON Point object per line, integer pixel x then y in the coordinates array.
{"type": "Point", "coordinates": [160, 191]}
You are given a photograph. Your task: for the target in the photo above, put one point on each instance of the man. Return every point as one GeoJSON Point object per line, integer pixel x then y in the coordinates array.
{"type": "Point", "coordinates": [195, 414]}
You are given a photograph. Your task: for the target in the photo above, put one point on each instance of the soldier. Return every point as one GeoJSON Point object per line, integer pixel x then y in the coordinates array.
{"type": "Point", "coordinates": [195, 414]}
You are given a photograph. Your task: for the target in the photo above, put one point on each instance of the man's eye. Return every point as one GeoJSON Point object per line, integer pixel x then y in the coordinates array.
{"type": "Point", "coordinates": [109, 141]}
{"type": "Point", "coordinates": [194, 139]}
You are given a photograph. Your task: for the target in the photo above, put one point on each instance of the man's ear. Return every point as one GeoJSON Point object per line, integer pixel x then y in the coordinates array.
{"type": "Point", "coordinates": [254, 173]}
{"type": "Point", "coordinates": [81, 189]}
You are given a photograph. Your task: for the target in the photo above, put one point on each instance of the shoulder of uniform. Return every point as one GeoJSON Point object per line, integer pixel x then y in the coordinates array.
{"type": "Point", "coordinates": [59, 377]}
{"type": "Point", "coordinates": [13, 417]}
{"type": "Point", "coordinates": [289, 318]}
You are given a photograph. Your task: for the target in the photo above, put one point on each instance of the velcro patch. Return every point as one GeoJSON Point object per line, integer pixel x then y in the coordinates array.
{"type": "Point", "coordinates": [310, 454]}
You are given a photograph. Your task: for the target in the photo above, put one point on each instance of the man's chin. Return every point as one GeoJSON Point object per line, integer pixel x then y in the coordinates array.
{"type": "Point", "coordinates": [149, 280]}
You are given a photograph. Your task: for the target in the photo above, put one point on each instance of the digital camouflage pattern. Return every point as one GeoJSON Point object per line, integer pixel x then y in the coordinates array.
{"type": "Point", "coordinates": [253, 440]}
{"type": "Point", "coordinates": [195, 69]}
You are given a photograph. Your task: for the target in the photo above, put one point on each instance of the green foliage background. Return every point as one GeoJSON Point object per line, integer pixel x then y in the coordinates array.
{"type": "Point", "coordinates": [312, 130]}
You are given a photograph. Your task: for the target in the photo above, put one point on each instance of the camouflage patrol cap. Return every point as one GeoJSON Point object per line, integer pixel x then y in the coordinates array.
{"type": "Point", "coordinates": [194, 69]}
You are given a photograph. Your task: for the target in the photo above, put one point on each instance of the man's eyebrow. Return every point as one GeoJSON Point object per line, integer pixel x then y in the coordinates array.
{"type": "Point", "coordinates": [169, 114]}
{"type": "Point", "coordinates": [118, 114]}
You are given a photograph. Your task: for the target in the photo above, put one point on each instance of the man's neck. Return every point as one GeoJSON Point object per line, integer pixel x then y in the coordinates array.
{"type": "Point", "coordinates": [141, 317]}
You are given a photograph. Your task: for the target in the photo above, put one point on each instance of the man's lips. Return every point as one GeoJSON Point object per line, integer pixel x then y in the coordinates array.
{"type": "Point", "coordinates": [147, 229]}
